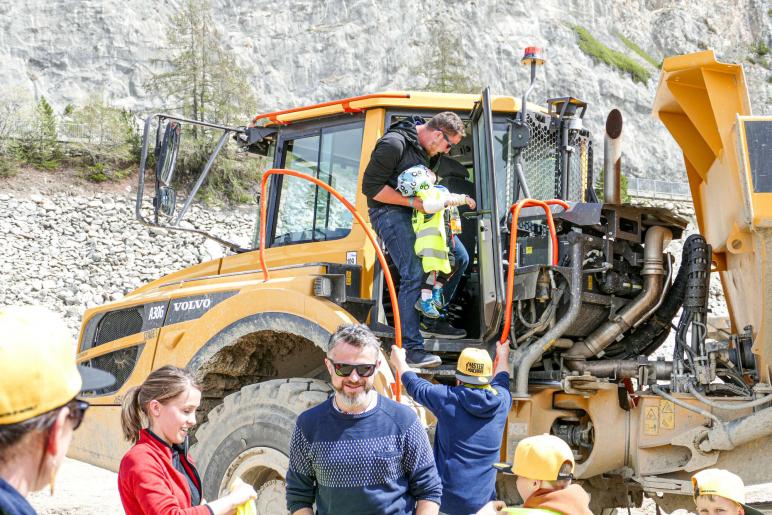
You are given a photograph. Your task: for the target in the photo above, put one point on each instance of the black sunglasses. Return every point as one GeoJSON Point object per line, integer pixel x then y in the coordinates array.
{"type": "Point", "coordinates": [344, 369]}
{"type": "Point", "coordinates": [78, 409]}
{"type": "Point", "coordinates": [447, 139]}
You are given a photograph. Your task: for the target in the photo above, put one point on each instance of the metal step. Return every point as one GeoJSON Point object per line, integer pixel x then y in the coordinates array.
{"type": "Point", "coordinates": [434, 345]}
{"type": "Point", "coordinates": [440, 345]}
{"type": "Point", "coordinates": [444, 370]}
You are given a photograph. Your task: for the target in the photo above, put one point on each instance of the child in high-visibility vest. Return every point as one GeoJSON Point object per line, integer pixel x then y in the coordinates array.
{"type": "Point", "coordinates": [431, 237]}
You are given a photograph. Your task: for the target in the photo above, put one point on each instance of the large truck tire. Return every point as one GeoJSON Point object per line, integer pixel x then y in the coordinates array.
{"type": "Point", "coordinates": [248, 436]}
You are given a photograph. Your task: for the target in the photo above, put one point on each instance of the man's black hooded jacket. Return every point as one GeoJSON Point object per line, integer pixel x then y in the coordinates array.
{"type": "Point", "coordinates": [394, 153]}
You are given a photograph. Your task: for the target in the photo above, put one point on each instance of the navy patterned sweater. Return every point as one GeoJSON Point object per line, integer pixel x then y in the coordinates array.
{"type": "Point", "coordinates": [377, 462]}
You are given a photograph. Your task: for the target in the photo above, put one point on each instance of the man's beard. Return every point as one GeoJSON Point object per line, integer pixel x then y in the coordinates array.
{"type": "Point", "coordinates": [347, 400]}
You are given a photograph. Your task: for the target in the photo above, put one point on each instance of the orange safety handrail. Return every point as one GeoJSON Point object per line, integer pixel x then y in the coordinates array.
{"type": "Point", "coordinates": [515, 210]}
{"type": "Point", "coordinates": [370, 234]}
{"type": "Point", "coordinates": [345, 104]}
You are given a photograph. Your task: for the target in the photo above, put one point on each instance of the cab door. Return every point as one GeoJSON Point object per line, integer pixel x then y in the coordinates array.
{"type": "Point", "coordinates": [488, 216]}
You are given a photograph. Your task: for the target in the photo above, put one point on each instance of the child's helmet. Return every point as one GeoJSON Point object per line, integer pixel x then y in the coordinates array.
{"type": "Point", "coordinates": [413, 180]}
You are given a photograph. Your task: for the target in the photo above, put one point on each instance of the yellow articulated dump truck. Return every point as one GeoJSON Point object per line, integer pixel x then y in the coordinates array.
{"type": "Point", "coordinates": [586, 294]}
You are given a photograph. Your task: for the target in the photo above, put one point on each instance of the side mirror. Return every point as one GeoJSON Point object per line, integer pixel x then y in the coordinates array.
{"type": "Point", "coordinates": [165, 201]}
{"type": "Point", "coordinates": [166, 153]}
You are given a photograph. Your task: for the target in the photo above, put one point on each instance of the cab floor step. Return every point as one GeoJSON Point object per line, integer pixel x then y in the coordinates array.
{"type": "Point", "coordinates": [434, 345]}
{"type": "Point", "coordinates": [442, 370]}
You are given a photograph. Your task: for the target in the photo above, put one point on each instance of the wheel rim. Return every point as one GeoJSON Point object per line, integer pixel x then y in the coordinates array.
{"type": "Point", "coordinates": [272, 497]}
{"type": "Point", "coordinates": [264, 469]}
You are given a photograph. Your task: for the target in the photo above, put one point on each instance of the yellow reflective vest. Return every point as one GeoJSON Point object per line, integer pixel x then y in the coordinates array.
{"type": "Point", "coordinates": [430, 237]}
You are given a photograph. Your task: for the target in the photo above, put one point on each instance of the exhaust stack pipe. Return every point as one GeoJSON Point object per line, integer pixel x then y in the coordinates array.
{"type": "Point", "coordinates": [656, 240]}
{"type": "Point", "coordinates": [612, 158]}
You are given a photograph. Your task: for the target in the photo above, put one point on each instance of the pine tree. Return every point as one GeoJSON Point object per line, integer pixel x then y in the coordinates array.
{"type": "Point", "coordinates": [41, 148]}
{"type": "Point", "coordinates": [203, 80]}
{"type": "Point", "coordinates": [446, 70]}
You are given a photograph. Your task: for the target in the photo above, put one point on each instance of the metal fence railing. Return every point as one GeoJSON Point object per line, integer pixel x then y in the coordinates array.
{"type": "Point", "coordinates": [67, 131]}
{"type": "Point", "coordinates": [653, 188]}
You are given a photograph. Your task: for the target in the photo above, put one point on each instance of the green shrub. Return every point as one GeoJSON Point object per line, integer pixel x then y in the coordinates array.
{"type": "Point", "coordinates": [40, 148]}
{"type": "Point", "coordinates": [760, 48]}
{"type": "Point", "coordinates": [9, 165]}
{"type": "Point", "coordinates": [96, 173]}
{"type": "Point", "coordinates": [600, 52]}
{"type": "Point", "coordinates": [112, 146]}
{"type": "Point", "coordinates": [638, 50]}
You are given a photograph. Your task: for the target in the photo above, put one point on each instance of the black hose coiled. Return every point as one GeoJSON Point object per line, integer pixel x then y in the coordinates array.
{"type": "Point", "coordinates": [691, 282]}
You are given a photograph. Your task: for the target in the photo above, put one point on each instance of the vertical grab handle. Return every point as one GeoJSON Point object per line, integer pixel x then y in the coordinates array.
{"type": "Point", "coordinates": [397, 387]}
{"type": "Point", "coordinates": [515, 210]}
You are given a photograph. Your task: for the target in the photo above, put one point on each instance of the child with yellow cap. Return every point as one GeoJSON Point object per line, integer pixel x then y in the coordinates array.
{"type": "Point", "coordinates": [470, 424]}
{"type": "Point", "coordinates": [718, 491]}
{"type": "Point", "coordinates": [544, 466]}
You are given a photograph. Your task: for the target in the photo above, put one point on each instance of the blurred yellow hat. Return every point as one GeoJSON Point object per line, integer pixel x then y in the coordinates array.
{"type": "Point", "coordinates": [724, 484]}
{"type": "Point", "coordinates": [37, 364]}
{"type": "Point", "coordinates": [474, 366]}
{"type": "Point", "coordinates": [540, 457]}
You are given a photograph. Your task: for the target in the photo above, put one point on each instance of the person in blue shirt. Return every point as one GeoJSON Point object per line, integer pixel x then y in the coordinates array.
{"type": "Point", "coordinates": [470, 424]}
{"type": "Point", "coordinates": [359, 452]}
{"type": "Point", "coordinates": [39, 407]}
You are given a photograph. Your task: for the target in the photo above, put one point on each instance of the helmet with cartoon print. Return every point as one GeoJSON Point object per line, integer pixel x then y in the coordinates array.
{"type": "Point", "coordinates": [413, 180]}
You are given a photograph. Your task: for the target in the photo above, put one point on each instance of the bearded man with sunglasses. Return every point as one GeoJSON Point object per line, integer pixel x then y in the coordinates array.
{"type": "Point", "coordinates": [409, 142]}
{"type": "Point", "coordinates": [39, 410]}
{"type": "Point", "coordinates": [359, 452]}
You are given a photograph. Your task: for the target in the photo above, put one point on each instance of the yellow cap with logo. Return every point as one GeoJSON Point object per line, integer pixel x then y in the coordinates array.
{"type": "Point", "coordinates": [474, 366]}
{"type": "Point", "coordinates": [540, 457]}
{"type": "Point", "coordinates": [724, 484]}
{"type": "Point", "coordinates": [37, 365]}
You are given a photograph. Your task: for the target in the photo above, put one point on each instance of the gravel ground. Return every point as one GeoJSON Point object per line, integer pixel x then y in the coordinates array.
{"type": "Point", "coordinates": [82, 489]}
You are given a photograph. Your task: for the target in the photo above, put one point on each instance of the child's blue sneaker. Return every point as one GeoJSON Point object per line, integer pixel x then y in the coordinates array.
{"type": "Point", "coordinates": [427, 308]}
{"type": "Point", "coordinates": [437, 298]}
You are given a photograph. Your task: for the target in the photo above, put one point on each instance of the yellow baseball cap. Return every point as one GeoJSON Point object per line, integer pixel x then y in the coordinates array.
{"type": "Point", "coordinates": [474, 366]}
{"type": "Point", "coordinates": [724, 484]}
{"type": "Point", "coordinates": [540, 457]}
{"type": "Point", "coordinates": [37, 364]}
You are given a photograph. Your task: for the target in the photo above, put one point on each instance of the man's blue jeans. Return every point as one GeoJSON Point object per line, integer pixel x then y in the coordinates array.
{"type": "Point", "coordinates": [460, 262]}
{"type": "Point", "coordinates": [395, 228]}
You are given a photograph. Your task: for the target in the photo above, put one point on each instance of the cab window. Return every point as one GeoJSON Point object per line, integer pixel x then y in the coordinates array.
{"type": "Point", "coordinates": [306, 212]}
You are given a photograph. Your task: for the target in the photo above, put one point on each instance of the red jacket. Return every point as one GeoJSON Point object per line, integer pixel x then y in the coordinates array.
{"type": "Point", "coordinates": [150, 485]}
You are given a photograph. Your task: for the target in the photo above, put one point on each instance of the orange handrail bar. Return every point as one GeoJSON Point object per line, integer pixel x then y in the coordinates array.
{"type": "Point", "coordinates": [369, 232]}
{"type": "Point", "coordinates": [345, 103]}
{"type": "Point", "coordinates": [515, 210]}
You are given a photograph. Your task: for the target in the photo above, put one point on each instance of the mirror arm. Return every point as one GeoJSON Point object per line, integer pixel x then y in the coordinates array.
{"type": "Point", "coordinates": [201, 177]}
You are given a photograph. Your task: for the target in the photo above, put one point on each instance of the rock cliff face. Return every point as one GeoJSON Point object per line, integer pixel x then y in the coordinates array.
{"type": "Point", "coordinates": [302, 51]}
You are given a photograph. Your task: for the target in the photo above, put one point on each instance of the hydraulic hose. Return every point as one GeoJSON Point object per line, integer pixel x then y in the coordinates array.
{"type": "Point", "coordinates": [515, 210]}
{"type": "Point", "coordinates": [656, 389]}
{"type": "Point", "coordinates": [370, 235]}
{"type": "Point", "coordinates": [731, 406]}
{"type": "Point", "coordinates": [536, 350]}
{"type": "Point", "coordinates": [652, 333]}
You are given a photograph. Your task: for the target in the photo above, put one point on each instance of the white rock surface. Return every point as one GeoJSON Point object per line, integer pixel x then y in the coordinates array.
{"type": "Point", "coordinates": [303, 51]}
